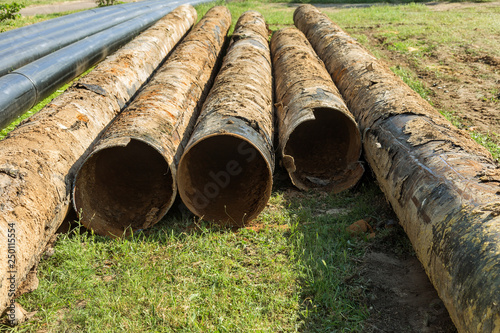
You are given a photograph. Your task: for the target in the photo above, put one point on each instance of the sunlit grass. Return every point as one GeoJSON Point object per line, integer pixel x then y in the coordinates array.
{"type": "Point", "coordinates": [285, 272]}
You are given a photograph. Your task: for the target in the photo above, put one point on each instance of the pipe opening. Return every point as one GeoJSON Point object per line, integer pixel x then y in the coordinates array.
{"type": "Point", "coordinates": [121, 187]}
{"type": "Point", "coordinates": [323, 148]}
{"type": "Point", "coordinates": [225, 179]}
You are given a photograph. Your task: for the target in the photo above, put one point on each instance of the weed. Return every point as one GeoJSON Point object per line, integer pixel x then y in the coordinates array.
{"type": "Point", "coordinates": [10, 11]}
{"type": "Point", "coordinates": [487, 141]}
{"type": "Point", "coordinates": [412, 80]}
{"type": "Point", "coordinates": [452, 118]}
{"type": "Point", "coordinates": [104, 3]}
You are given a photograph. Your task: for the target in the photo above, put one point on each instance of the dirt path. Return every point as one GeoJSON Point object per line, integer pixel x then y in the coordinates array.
{"type": "Point", "coordinates": [61, 7]}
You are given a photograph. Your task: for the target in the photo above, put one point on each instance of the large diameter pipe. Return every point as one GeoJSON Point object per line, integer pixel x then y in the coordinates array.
{"type": "Point", "coordinates": [22, 52]}
{"type": "Point", "coordinates": [23, 88]}
{"type": "Point", "coordinates": [128, 182]}
{"type": "Point", "coordinates": [443, 186]}
{"type": "Point", "coordinates": [225, 173]}
{"type": "Point", "coordinates": [39, 158]}
{"type": "Point", "coordinates": [319, 139]}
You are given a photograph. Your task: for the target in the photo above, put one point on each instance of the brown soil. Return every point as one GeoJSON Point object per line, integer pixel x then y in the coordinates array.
{"type": "Point", "coordinates": [399, 295]}
{"type": "Point", "coordinates": [464, 81]}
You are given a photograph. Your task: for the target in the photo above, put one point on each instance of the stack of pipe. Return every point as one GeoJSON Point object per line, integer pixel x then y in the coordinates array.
{"type": "Point", "coordinates": [21, 46]}
{"type": "Point", "coordinates": [24, 87]}
{"type": "Point", "coordinates": [128, 182]}
{"type": "Point", "coordinates": [39, 158]}
{"type": "Point", "coordinates": [442, 185]}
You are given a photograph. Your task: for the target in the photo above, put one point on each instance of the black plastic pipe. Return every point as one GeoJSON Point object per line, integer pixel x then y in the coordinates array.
{"type": "Point", "coordinates": [23, 88]}
{"type": "Point", "coordinates": [37, 29]}
{"type": "Point", "coordinates": [21, 51]}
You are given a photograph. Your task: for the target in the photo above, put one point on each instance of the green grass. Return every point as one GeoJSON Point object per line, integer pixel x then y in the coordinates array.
{"type": "Point", "coordinates": [487, 141]}
{"type": "Point", "coordinates": [412, 81]}
{"type": "Point", "coordinates": [400, 28]}
{"type": "Point", "coordinates": [286, 273]}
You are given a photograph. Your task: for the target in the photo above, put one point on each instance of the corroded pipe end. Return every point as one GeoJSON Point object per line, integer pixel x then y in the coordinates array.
{"type": "Point", "coordinates": [225, 178]}
{"type": "Point", "coordinates": [319, 139]}
{"type": "Point", "coordinates": [323, 153]}
{"type": "Point", "coordinates": [122, 188]}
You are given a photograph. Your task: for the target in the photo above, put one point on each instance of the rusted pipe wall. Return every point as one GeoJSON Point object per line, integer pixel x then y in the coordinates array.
{"type": "Point", "coordinates": [319, 139]}
{"type": "Point", "coordinates": [443, 186]}
{"type": "Point", "coordinates": [38, 159]}
{"type": "Point", "coordinates": [225, 173]}
{"type": "Point", "coordinates": [128, 181]}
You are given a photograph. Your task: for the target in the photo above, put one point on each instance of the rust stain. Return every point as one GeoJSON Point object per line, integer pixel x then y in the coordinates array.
{"type": "Point", "coordinates": [82, 117]}
{"type": "Point", "coordinates": [140, 147]}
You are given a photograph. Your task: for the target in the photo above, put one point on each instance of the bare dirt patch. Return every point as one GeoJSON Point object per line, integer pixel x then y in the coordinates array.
{"type": "Point", "coordinates": [463, 79]}
{"type": "Point", "coordinates": [400, 297]}
{"type": "Point", "coordinates": [467, 84]}
{"type": "Point", "coordinates": [446, 6]}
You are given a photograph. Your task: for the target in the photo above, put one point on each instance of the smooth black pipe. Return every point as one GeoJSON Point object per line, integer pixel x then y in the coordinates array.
{"type": "Point", "coordinates": [20, 52]}
{"type": "Point", "coordinates": [37, 29]}
{"type": "Point", "coordinates": [23, 88]}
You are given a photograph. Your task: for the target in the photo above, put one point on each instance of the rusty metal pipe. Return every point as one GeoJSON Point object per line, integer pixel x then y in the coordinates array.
{"type": "Point", "coordinates": [443, 186]}
{"type": "Point", "coordinates": [128, 181]}
{"type": "Point", "coordinates": [39, 158]}
{"type": "Point", "coordinates": [225, 173]}
{"type": "Point", "coordinates": [319, 139]}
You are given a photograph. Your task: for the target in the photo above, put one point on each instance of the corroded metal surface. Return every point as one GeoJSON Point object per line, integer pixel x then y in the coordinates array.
{"type": "Point", "coordinates": [319, 139]}
{"type": "Point", "coordinates": [39, 158]}
{"type": "Point", "coordinates": [128, 181]}
{"type": "Point", "coordinates": [443, 186]}
{"type": "Point", "coordinates": [225, 173]}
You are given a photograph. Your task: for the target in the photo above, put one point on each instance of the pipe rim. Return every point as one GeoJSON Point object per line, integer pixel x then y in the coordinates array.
{"type": "Point", "coordinates": [118, 231]}
{"type": "Point", "coordinates": [182, 170]}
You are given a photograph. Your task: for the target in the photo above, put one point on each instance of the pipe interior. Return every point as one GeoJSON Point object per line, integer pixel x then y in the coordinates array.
{"type": "Point", "coordinates": [123, 187]}
{"type": "Point", "coordinates": [225, 179]}
{"type": "Point", "coordinates": [324, 147]}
